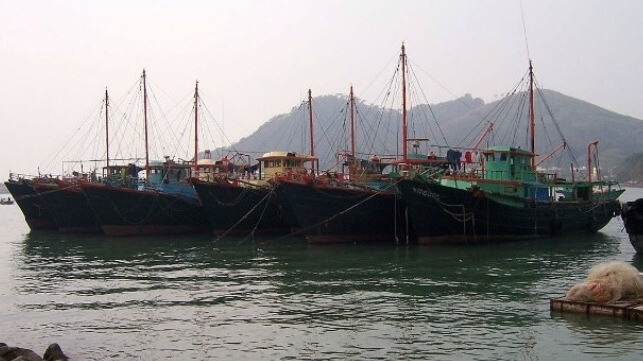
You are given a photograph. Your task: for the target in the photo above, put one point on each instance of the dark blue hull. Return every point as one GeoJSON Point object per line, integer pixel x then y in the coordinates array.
{"type": "Point", "coordinates": [31, 204]}
{"type": "Point", "coordinates": [132, 212]}
{"type": "Point", "coordinates": [632, 215]}
{"type": "Point", "coordinates": [243, 210]}
{"type": "Point", "coordinates": [69, 208]}
{"type": "Point", "coordinates": [443, 214]}
{"type": "Point", "coordinates": [328, 214]}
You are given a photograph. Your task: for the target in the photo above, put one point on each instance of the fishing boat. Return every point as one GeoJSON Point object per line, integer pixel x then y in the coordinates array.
{"type": "Point", "coordinates": [163, 203]}
{"type": "Point", "coordinates": [33, 208]}
{"type": "Point", "coordinates": [238, 198]}
{"type": "Point", "coordinates": [329, 210]}
{"type": "Point", "coordinates": [67, 205]}
{"type": "Point", "coordinates": [509, 198]}
{"type": "Point", "coordinates": [65, 199]}
{"type": "Point", "coordinates": [6, 201]}
{"type": "Point", "coordinates": [359, 204]}
{"type": "Point", "coordinates": [632, 214]}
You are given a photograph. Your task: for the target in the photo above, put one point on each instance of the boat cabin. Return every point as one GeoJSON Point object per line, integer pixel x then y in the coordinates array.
{"type": "Point", "coordinates": [115, 174]}
{"type": "Point", "coordinates": [507, 163]}
{"type": "Point", "coordinates": [168, 171]}
{"type": "Point", "coordinates": [273, 163]}
{"type": "Point", "coordinates": [113, 170]}
{"type": "Point", "coordinates": [208, 169]}
{"type": "Point", "coordinates": [353, 166]}
{"type": "Point", "coordinates": [237, 166]}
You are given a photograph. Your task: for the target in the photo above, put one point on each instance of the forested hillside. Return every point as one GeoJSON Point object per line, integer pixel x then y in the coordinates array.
{"type": "Point", "coordinates": [457, 123]}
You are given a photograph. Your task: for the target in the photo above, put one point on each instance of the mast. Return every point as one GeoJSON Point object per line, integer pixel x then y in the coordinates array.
{"type": "Point", "coordinates": [532, 122]}
{"type": "Point", "coordinates": [107, 128]}
{"type": "Point", "coordinates": [196, 124]}
{"type": "Point", "coordinates": [589, 160]}
{"type": "Point", "coordinates": [147, 153]}
{"type": "Point", "coordinates": [352, 101]}
{"type": "Point", "coordinates": [310, 118]}
{"type": "Point", "coordinates": [404, 125]}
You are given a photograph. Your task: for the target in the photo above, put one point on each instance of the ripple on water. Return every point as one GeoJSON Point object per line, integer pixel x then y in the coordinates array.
{"type": "Point", "coordinates": [291, 301]}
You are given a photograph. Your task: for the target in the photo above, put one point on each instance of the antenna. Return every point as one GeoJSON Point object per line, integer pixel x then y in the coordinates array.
{"type": "Point", "coordinates": [524, 29]}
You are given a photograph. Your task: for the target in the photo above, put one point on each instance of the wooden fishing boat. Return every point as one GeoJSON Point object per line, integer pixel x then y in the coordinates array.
{"type": "Point", "coordinates": [6, 201]}
{"type": "Point", "coordinates": [508, 199]}
{"type": "Point", "coordinates": [67, 205]}
{"type": "Point", "coordinates": [361, 203]}
{"type": "Point", "coordinates": [64, 201]}
{"type": "Point", "coordinates": [33, 208]}
{"type": "Point", "coordinates": [238, 198]}
{"type": "Point", "coordinates": [329, 210]}
{"type": "Point", "coordinates": [156, 208]}
{"type": "Point", "coordinates": [164, 203]}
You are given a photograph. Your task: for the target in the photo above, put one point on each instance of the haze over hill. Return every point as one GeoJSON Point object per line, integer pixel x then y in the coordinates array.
{"type": "Point", "coordinates": [457, 123]}
{"type": "Point", "coordinates": [630, 171]}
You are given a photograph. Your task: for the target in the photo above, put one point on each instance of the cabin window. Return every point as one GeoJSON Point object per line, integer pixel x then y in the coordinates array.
{"type": "Point", "coordinates": [503, 157]}
{"type": "Point", "coordinates": [540, 194]}
{"type": "Point", "coordinates": [583, 193]}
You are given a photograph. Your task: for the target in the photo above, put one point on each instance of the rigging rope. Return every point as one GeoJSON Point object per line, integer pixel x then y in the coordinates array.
{"type": "Point", "coordinates": [246, 215]}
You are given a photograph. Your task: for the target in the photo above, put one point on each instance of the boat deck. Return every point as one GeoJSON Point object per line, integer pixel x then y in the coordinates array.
{"type": "Point", "coordinates": [631, 310]}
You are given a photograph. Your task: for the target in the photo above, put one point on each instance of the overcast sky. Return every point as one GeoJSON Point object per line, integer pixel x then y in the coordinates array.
{"type": "Point", "coordinates": [257, 59]}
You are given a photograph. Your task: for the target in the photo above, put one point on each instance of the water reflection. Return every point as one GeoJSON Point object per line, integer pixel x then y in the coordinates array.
{"type": "Point", "coordinates": [288, 299]}
{"type": "Point", "coordinates": [509, 271]}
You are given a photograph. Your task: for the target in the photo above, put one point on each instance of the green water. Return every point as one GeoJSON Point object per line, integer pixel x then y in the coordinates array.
{"type": "Point", "coordinates": [256, 299]}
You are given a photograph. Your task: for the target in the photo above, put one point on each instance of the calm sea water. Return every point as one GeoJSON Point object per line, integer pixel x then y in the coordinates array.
{"type": "Point", "coordinates": [256, 299]}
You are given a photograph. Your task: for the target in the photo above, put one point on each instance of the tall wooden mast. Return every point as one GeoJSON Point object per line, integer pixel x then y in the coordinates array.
{"type": "Point", "coordinates": [196, 124]}
{"type": "Point", "coordinates": [107, 129]}
{"type": "Point", "coordinates": [147, 152]}
{"type": "Point", "coordinates": [404, 125]}
{"type": "Point", "coordinates": [532, 122]}
{"type": "Point", "coordinates": [310, 120]}
{"type": "Point", "coordinates": [352, 101]}
{"type": "Point", "coordinates": [589, 160]}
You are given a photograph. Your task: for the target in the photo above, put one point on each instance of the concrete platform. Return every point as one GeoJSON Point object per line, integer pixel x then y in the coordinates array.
{"type": "Point", "coordinates": [632, 310]}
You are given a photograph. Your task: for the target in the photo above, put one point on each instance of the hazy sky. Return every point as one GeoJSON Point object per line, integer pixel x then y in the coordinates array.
{"type": "Point", "coordinates": [257, 59]}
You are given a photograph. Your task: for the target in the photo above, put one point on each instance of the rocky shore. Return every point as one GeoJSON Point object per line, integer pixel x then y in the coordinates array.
{"type": "Point", "coordinates": [52, 353]}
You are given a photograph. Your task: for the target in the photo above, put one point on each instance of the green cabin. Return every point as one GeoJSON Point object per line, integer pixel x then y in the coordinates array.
{"type": "Point", "coordinates": [507, 171]}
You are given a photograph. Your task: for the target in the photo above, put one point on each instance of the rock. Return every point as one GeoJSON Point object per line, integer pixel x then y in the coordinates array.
{"type": "Point", "coordinates": [17, 354]}
{"type": "Point", "coordinates": [54, 353]}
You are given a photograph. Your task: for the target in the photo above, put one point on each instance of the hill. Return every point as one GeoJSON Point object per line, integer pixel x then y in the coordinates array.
{"type": "Point", "coordinates": [456, 123]}
{"type": "Point", "coordinates": [630, 171]}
